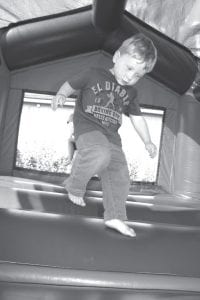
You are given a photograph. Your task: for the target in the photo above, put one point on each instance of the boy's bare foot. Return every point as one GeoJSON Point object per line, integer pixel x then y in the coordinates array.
{"type": "Point", "coordinates": [121, 227]}
{"type": "Point", "coordinates": [76, 200]}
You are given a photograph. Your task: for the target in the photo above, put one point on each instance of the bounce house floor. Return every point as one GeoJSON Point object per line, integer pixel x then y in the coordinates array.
{"type": "Point", "coordinates": [50, 246]}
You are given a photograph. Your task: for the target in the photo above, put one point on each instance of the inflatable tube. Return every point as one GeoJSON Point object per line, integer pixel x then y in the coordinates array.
{"type": "Point", "coordinates": [187, 159]}
{"type": "Point", "coordinates": [107, 15]}
{"type": "Point", "coordinates": [49, 38]}
{"type": "Point", "coordinates": [18, 273]}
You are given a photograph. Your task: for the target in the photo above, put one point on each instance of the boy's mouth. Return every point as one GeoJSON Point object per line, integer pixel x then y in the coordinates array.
{"type": "Point", "coordinates": [122, 81]}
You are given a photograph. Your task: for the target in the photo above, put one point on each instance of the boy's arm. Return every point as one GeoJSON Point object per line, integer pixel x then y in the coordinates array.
{"type": "Point", "coordinates": [141, 127]}
{"type": "Point", "coordinates": [60, 98]}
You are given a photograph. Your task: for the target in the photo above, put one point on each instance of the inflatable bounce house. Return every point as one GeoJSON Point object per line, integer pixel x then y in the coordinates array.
{"type": "Point", "coordinates": [49, 247]}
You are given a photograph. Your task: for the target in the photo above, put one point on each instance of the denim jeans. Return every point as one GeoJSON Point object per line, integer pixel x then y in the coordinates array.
{"type": "Point", "coordinates": [96, 155]}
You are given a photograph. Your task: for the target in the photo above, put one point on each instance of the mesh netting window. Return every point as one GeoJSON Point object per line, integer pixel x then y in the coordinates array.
{"type": "Point", "coordinates": [43, 136]}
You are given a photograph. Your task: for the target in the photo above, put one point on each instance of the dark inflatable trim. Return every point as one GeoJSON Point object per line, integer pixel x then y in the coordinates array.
{"type": "Point", "coordinates": [91, 29]}
{"type": "Point", "coordinates": [47, 39]}
{"type": "Point", "coordinates": [107, 15]}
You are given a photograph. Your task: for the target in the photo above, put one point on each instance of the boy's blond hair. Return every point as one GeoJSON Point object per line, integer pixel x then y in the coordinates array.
{"type": "Point", "coordinates": [142, 48]}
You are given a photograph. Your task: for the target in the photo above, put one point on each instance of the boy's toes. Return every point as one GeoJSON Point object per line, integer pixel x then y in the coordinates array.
{"type": "Point", "coordinates": [121, 227]}
{"type": "Point", "coordinates": [129, 231]}
{"type": "Point", "coordinates": [81, 202]}
{"type": "Point", "coordinates": [76, 200]}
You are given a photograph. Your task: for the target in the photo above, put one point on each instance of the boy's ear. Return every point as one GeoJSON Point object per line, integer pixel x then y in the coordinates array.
{"type": "Point", "coordinates": [116, 56]}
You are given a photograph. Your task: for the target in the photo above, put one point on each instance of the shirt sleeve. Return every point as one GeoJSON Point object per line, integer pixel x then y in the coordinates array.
{"type": "Point", "coordinates": [80, 80]}
{"type": "Point", "coordinates": [133, 108]}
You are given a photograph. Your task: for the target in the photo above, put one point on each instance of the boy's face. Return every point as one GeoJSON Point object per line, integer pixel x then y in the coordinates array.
{"type": "Point", "coordinates": [127, 69]}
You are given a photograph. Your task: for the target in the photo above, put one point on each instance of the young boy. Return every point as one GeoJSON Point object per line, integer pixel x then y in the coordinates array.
{"type": "Point", "coordinates": [104, 96]}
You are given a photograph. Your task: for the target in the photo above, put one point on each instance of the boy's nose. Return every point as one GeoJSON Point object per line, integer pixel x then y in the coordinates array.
{"type": "Point", "coordinates": [130, 74]}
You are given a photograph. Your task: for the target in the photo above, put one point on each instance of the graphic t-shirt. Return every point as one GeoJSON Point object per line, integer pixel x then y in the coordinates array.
{"type": "Point", "coordinates": [101, 103]}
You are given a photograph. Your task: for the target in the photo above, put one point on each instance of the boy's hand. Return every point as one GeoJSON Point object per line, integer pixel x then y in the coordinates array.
{"type": "Point", "coordinates": [57, 100]}
{"type": "Point", "coordinates": [151, 148]}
